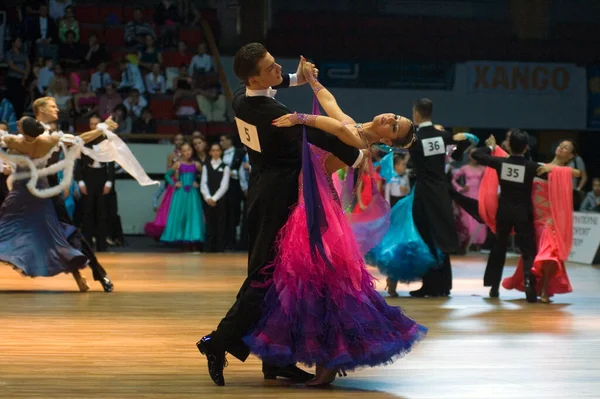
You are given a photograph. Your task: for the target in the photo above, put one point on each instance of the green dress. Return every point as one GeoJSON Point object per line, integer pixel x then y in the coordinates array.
{"type": "Point", "coordinates": [185, 224]}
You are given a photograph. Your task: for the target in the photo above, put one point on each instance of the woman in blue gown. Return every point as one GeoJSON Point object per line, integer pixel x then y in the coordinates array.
{"type": "Point", "coordinates": [32, 239]}
{"type": "Point", "coordinates": [185, 223]}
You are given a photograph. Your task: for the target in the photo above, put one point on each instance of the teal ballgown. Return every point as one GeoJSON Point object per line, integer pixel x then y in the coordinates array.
{"type": "Point", "coordinates": [185, 224]}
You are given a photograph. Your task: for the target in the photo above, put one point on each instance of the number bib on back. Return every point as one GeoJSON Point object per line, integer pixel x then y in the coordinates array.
{"type": "Point", "coordinates": [433, 146]}
{"type": "Point", "coordinates": [513, 173]}
{"type": "Point", "coordinates": [248, 134]}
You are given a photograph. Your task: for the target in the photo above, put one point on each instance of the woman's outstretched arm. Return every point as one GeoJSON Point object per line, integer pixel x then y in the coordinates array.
{"type": "Point", "coordinates": [326, 99]}
{"type": "Point", "coordinates": [324, 123]}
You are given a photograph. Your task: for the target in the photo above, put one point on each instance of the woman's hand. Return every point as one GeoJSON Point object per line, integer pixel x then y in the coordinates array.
{"type": "Point", "coordinates": [178, 184]}
{"type": "Point", "coordinates": [176, 165]}
{"type": "Point", "coordinates": [546, 168]}
{"type": "Point", "coordinates": [196, 185]}
{"type": "Point", "coordinates": [491, 142]}
{"type": "Point", "coordinates": [112, 125]}
{"type": "Point", "coordinates": [286, 120]}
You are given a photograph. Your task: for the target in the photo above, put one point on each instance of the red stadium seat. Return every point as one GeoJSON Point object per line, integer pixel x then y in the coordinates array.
{"type": "Point", "coordinates": [115, 37]}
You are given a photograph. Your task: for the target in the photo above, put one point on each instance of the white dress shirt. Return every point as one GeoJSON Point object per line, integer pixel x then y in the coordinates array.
{"type": "Point", "coordinates": [393, 187]}
{"type": "Point", "coordinates": [424, 124]}
{"type": "Point", "coordinates": [204, 181]}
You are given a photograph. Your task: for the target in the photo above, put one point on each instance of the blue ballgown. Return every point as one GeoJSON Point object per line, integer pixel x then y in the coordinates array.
{"type": "Point", "coordinates": [185, 223]}
{"type": "Point", "coordinates": [402, 254]}
{"type": "Point", "coordinates": [32, 239]}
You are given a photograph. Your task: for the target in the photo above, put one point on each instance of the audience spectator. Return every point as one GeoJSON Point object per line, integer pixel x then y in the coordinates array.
{"type": "Point", "coordinates": [109, 101]}
{"type": "Point", "coordinates": [150, 56]}
{"type": "Point", "coordinates": [100, 78]}
{"type": "Point", "coordinates": [69, 52]}
{"type": "Point", "coordinates": [182, 57]}
{"type": "Point", "coordinates": [182, 84]}
{"type": "Point", "coordinates": [137, 30]}
{"type": "Point", "coordinates": [85, 102]}
{"type": "Point", "coordinates": [95, 53]}
{"type": "Point", "coordinates": [145, 124]}
{"type": "Point", "coordinates": [166, 17]}
{"type": "Point", "coordinates": [44, 78]}
{"type": "Point", "coordinates": [7, 113]}
{"type": "Point", "coordinates": [135, 103]}
{"type": "Point", "coordinates": [211, 102]}
{"type": "Point", "coordinates": [131, 77]}
{"type": "Point", "coordinates": [120, 116]}
{"type": "Point", "coordinates": [69, 23]}
{"type": "Point", "coordinates": [591, 203]}
{"type": "Point", "coordinates": [155, 81]}
{"type": "Point", "coordinates": [60, 92]}
{"type": "Point", "coordinates": [59, 8]}
{"type": "Point", "coordinates": [202, 62]}
{"type": "Point", "coordinates": [44, 33]}
{"type": "Point", "coordinates": [16, 77]}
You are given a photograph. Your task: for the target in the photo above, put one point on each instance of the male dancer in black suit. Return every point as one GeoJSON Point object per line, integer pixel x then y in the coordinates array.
{"type": "Point", "coordinates": [515, 210]}
{"type": "Point", "coordinates": [46, 111]}
{"type": "Point", "coordinates": [432, 209]}
{"type": "Point", "coordinates": [275, 158]}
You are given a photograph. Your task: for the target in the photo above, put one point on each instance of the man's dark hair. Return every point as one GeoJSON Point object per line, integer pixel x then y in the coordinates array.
{"type": "Point", "coordinates": [518, 141]}
{"type": "Point", "coordinates": [424, 107]}
{"type": "Point", "coordinates": [245, 62]}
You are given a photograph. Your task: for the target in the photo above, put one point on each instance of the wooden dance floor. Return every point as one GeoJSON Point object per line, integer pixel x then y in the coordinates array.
{"type": "Point", "coordinates": [139, 342]}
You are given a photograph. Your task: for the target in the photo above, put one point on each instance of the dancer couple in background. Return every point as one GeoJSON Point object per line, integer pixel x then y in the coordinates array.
{"type": "Point", "coordinates": [308, 297]}
{"type": "Point", "coordinates": [539, 209]}
{"type": "Point", "coordinates": [33, 238]}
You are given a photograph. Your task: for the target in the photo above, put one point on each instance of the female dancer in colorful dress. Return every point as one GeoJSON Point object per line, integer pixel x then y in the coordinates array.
{"type": "Point", "coordinates": [472, 173]}
{"type": "Point", "coordinates": [321, 306]}
{"type": "Point", "coordinates": [553, 222]}
{"type": "Point", "coordinates": [185, 223]}
{"type": "Point", "coordinates": [32, 239]}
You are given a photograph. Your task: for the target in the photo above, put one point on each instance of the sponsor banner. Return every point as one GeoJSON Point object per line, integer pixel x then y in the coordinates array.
{"type": "Point", "coordinates": [586, 237]}
{"type": "Point", "coordinates": [522, 78]}
{"type": "Point", "coordinates": [387, 74]}
{"type": "Point", "coordinates": [593, 80]}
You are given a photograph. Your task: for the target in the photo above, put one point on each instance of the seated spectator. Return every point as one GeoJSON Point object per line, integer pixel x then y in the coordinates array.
{"type": "Point", "coordinates": [202, 62]}
{"type": "Point", "coordinates": [155, 81]}
{"type": "Point", "coordinates": [120, 116]}
{"type": "Point", "coordinates": [182, 57]}
{"type": "Point", "coordinates": [135, 103]}
{"type": "Point", "coordinates": [85, 102]}
{"type": "Point", "coordinates": [44, 33]}
{"type": "Point", "coordinates": [182, 85]}
{"type": "Point", "coordinates": [131, 77]}
{"type": "Point", "coordinates": [109, 101]}
{"type": "Point", "coordinates": [7, 113]}
{"type": "Point", "coordinates": [100, 78]}
{"type": "Point", "coordinates": [69, 23]}
{"type": "Point", "coordinates": [95, 53]}
{"type": "Point", "coordinates": [137, 30]}
{"type": "Point", "coordinates": [166, 17]}
{"type": "Point", "coordinates": [150, 56]}
{"type": "Point", "coordinates": [58, 8]}
{"type": "Point", "coordinates": [70, 52]}
{"type": "Point", "coordinates": [212, 103]}
{"type": "Point", "coordinates": [591, 203]}
{"type": "Point", "coordinates": [59, 76]}
{"type": "Point", "coordinates": [59, 90]}
{"type": "Point", "coordinates": [45, 77]}
{"type": "Point", "coordinates": [146, 124]}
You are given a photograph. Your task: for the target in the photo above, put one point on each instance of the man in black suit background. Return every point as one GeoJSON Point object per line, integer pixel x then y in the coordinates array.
{"type": "Point", "coordinates": [275, 156]}
{"type": "Point", "coordinates": [515, 210]}
{"type": "Point", "coordinates": [432, 209]}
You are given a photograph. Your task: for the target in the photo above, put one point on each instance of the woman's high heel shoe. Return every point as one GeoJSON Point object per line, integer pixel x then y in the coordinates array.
{"type": "Point", "coordinates": [323, 377]}
{"type": "Point", "coordinates": [80, 280]}
{"type": "Point", "coordinates": [544, 298]}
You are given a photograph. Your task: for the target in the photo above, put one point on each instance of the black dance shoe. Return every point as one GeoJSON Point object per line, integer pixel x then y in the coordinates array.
{"type": "Point", "coordinates": [494, 293]}
{"type": "Point", "coordinates": [107, 285]}
{"type": "Point", "coordinates": [216, 359]}
{"type": "Point", "coordinates": [530, 293]}
{"type": "Point", "coordinates": [291, 372]}
{"type": "Point", "coordinates": [422, 293]}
